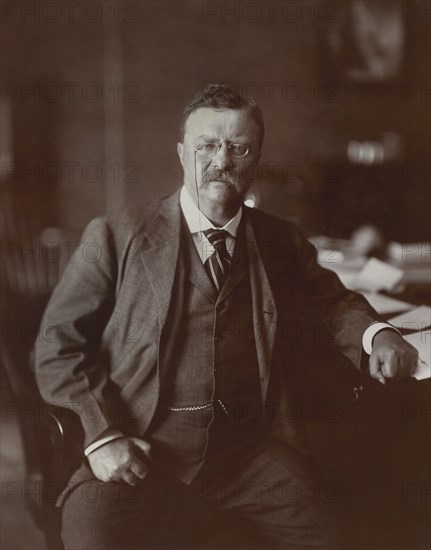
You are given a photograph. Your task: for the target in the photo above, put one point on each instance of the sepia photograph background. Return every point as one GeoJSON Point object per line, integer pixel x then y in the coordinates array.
{"type": "Point", "coordinates": [92, 95]}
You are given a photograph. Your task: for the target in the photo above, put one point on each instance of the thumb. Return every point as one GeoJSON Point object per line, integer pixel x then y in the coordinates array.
{"type": "Point", "coordinates": [141, 444]}
{"type": "Point", "coordinates": [375, 368]}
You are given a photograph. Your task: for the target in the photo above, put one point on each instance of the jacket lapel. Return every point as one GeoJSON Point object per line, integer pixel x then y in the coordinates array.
{"type": "Point", "coordinates": [264, 308]}
{"type": "Point", "coordinates": [160, 259]}
{"type": "Point", "coordinates": [239, 268]}
{"type": "Point", "coordinates": [160, 254]}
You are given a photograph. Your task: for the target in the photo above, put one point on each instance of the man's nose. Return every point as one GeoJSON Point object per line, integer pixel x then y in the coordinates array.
{"type": "Point", "coordinates": [222, 159]}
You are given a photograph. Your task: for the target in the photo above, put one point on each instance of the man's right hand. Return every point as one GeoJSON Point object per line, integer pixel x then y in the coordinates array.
{"type": "Point", "coordinates": [119, 460]}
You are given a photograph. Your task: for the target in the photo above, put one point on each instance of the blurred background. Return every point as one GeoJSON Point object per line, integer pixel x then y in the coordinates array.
{"type": "Point", "coordinates": [92, 96]}
{"type": "Point", "coordinates": [91, 101]}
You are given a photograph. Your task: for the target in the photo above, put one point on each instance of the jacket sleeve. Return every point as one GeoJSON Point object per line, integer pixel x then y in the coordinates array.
{"type": "Point", "coordinates": [67, 365]}
{"type": "Point", "coordinates": [344, 315]}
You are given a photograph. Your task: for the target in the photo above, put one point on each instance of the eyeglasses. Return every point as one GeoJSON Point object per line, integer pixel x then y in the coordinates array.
{"type": "Point", "coordinates": [209, 149]}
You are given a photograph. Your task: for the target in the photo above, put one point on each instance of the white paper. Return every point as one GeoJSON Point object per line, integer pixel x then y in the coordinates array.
{"type": "Point", "coordinates": [422, 342]}
{"type": "Point", "coordinates": [349, 279]}
{"type": "Point", "coordinates": [423, 371]}
{"type": "Point", "coordinates": [384, 304]}
{"type": "Point", "coordinates": [377, 275]}
{"type": "Point", "coordinates": [417, 319]}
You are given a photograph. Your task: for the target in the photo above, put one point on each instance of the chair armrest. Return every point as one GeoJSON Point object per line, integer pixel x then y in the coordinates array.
{"type": "Point", "coordinates": [64, 430]}
{"type": "Point", "coordinates": [52, 439]}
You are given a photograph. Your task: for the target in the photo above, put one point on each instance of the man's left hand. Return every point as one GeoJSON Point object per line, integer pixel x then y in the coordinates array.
{"type": "Point", "coordinates": [392, 357]}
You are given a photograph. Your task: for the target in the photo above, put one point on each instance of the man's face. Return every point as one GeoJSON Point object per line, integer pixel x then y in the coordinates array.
{"type": "Point", "coordinates": [222, 179]}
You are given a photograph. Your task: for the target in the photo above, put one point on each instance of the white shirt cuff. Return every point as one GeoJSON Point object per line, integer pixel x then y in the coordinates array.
{"type": "Point", "coordinates": [108, 435]}
{"type": "Point", "coordinates": [371, 331]}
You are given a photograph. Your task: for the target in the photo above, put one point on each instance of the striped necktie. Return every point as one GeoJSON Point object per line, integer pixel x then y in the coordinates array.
{"type": "Point", "coordinates": [218, 264]}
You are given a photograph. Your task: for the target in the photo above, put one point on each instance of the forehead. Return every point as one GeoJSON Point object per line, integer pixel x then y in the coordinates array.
{"type": "Point", "coordinates": [221, 124]}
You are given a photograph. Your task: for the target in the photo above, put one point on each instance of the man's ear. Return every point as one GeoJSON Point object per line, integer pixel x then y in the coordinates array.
{"type": "Point", "coordinates": [180, 151]}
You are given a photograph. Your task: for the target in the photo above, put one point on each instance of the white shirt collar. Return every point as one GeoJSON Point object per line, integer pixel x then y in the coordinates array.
{"type": "Point", "coordinates": [197, 221]}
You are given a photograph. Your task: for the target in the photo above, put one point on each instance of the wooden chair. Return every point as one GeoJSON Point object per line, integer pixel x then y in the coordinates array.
{"type": "Point", "coordinates": [29, 272]}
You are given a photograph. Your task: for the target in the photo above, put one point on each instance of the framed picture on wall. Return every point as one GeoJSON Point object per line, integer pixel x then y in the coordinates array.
{"type": "Point", "coordinates": [367, 44]}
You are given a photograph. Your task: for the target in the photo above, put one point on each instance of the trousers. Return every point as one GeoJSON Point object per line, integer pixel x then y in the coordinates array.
{"type": "Point", "coordinates": [260, 505]}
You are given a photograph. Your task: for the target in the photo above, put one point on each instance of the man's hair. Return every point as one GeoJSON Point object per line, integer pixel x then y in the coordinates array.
{"type": "Point", "coordinates": [220, 96]}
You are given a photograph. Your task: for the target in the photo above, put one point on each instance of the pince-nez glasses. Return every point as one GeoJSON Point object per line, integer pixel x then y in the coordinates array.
{"type": "Point", "coordinates": [208, 150]}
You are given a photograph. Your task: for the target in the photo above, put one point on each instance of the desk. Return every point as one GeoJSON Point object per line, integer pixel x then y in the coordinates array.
{"type": "Point", "coordinates": [378, 453]}
{"type": "Point", "coordinates": [403, 285]}
{"type": "Point", "coordinates": [374, 456]}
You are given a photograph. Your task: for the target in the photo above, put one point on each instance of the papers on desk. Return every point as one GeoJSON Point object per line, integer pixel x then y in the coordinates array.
{"type": "Point", "coordinates": [374, 276]}
{"type": "Point", "coordinates": [418, 318]}
{"type": "Point", "coordinates": [371, 276]}
{"type": "Point", "coordinates": [409, 252]}
{"type": "Point", "coordinates": [384, 305]}
{"type": "Point", "coordinates": [422, 342]}
{"type": "Point", "coordinates": [377, 275]}
{"type": "Point", "coordinates": [423, 370]}
{"type": "Point", "coordinates": [329, 256]}
{"type": "Point", "coordinates": [348, 279]}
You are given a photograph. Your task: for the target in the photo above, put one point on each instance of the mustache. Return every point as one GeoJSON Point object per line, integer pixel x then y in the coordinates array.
{"type": "Point", "coordinates": [220, 175]}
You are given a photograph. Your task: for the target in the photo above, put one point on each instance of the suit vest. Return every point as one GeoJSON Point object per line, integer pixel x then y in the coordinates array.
{"type": "Point", "coordinates": [210, 398]}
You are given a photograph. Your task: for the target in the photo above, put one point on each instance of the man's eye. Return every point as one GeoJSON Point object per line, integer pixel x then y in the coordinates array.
{"type": "Point", "coordinates": [207, 146]}
{"type": "Point", "coordinates": [238, 148]}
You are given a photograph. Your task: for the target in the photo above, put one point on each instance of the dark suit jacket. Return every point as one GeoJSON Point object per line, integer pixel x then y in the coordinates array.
{"type": "Point", "coordinates": [102, 346]}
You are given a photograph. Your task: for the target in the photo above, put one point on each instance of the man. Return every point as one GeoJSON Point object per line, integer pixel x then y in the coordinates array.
{"type": "Point", "coordinates": [170, 333]}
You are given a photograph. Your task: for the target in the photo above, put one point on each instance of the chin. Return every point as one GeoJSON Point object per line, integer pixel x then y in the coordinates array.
{"type": "Point", "coordinates": [222, 192]}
